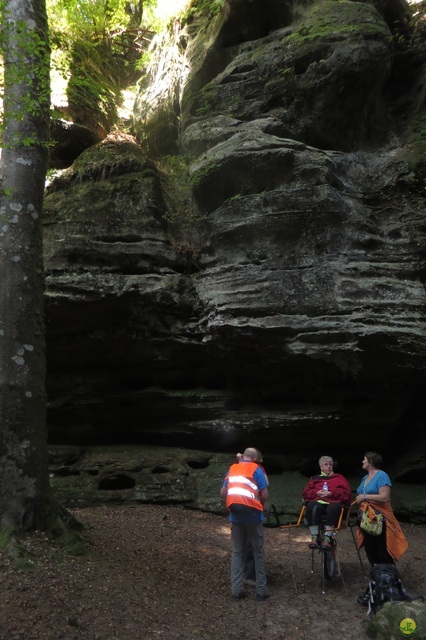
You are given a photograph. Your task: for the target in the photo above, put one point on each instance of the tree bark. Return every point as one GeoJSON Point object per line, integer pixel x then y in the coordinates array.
{"type": "Point", "coordinates": [24, 481]}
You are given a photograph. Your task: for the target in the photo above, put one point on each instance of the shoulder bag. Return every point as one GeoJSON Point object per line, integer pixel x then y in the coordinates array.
{"type": "Point", "coordinates": [372, 526]}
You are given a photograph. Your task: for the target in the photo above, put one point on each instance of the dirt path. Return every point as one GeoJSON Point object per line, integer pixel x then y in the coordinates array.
{"type": "Point", "coordinates": [157, 572]}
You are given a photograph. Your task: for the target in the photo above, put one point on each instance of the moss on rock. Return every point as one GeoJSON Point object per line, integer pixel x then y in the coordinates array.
{"type": "Point", "coordinates": [330, 18]}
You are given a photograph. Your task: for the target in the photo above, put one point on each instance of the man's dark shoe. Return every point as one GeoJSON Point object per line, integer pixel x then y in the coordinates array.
{"type": "Point", "coordinates": [238, 596]}
{"type": "Point", "coordinates": [260, 597]}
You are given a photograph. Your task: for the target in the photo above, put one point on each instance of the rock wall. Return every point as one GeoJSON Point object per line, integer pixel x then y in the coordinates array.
{"type": "Point", "coordinates": [250, 268]}
{"type": "Point", "coordinates": [83, 476]}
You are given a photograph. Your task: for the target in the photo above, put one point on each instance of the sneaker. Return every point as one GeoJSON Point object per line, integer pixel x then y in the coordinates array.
{"type": "Point", "coordinates": [326, 543]}
{"type": "Point", "coordinates": [314, 543]}
{"type": "Point", "coordinates": [238, 596]}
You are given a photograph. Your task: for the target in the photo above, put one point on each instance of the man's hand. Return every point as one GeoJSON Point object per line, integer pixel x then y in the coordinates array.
{"type": "Point", "coordinates": [263, 494]}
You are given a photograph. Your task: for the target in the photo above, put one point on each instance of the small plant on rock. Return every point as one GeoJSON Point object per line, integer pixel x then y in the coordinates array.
{"type": "Point", "coordinates": [181, 213]}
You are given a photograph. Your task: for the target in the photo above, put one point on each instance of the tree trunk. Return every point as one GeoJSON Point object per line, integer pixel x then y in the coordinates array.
{"type": "Point", "coordinates": [24, 480]}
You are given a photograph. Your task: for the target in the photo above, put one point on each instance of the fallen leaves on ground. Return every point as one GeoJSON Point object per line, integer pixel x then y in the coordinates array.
{"type": "Point", "coordinates": [163, 572]}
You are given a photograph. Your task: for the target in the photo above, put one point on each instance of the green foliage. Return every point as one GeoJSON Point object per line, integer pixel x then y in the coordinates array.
{"type": "Point", "coordinates": [205, 101]}
{"type": "Point", "coordinates": [207, 8]}
{"type": "Point", "coordinates": [286, 71]}
{"type": "Point", "coordinates": [181, 213]}
{"type": "Point", "coordinates": [97, 47]}
{"type": "Point", "coordinates": [29, 71]}
{"type": "Point", "coordinates": [84, 21]}
{"type": "Point", "coordinates": [94, 86]}
{"type": "Point", "coordinates": [331, 18]}
{"type": "Point", "coordinates": [201, 174]}
{"type": "Point", "coordinates": [111, 158]}
{"type": "Point", "coordinates": [7, 534]}
{"type": "Point", "coordinates": [179, 186]}
{"type": "Point", "coordinates": [411, 36]}
{"type": "Point", "coordinates": [72, 20]}
{"type": "Point", "coordinates": [73, 543]}
{"type": "Point", "coordinates": [12, 546]}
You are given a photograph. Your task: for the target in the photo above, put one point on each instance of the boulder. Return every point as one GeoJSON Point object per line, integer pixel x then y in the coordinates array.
{"type": "Point", "coordinates": [398, 620]}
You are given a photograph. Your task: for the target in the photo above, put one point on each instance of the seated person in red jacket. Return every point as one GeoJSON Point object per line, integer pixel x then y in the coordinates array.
{"type": "Point", "coordinates": [329, 491]}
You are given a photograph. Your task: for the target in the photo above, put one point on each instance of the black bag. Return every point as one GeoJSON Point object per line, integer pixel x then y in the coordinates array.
{"type": "Point", "coordinates": [385, 586]}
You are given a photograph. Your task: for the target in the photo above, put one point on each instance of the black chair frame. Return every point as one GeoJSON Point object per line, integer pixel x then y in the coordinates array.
{"type": "Point", "coordinates": [330, 565]}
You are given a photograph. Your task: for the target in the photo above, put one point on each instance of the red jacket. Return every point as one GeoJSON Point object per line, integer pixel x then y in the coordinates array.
{"type": "Point", "coordinates": [242, 487]}
{"type": "Point", "coordinates": [337, 484]}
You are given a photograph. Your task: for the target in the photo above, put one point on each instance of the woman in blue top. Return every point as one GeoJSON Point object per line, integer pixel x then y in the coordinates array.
{"type": "Point", "coordinates": [374, 490]}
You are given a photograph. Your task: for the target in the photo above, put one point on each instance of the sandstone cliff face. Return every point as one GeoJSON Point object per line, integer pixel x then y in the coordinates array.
{"type": "Point", "coordinates": [252, 269]}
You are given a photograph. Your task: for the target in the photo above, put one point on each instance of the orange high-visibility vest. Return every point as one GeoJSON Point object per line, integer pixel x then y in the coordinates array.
{"type": "Point", "coordinates": [242, 487]}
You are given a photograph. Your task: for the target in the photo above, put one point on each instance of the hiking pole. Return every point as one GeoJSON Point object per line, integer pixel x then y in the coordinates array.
{"type": "Point", "coordinates": [357, 550]}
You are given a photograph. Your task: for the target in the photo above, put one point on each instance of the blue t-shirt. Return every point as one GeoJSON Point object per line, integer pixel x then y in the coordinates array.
{"type": "Point", "coordinates": [248, 514]}
{"type": "Point", "coordinates": [381, 479]}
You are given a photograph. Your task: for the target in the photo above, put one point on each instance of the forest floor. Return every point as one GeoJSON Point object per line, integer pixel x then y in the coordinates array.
{"type": "Point", "coordinates": [162, 572]}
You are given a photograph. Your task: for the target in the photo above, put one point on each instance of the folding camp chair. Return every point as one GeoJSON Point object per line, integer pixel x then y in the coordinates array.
{"type": "Point", "coordinates": [330, 564]}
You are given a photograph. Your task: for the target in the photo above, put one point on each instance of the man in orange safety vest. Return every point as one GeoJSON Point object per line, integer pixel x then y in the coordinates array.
{"type": "Point", "coordinates": [245, 490]}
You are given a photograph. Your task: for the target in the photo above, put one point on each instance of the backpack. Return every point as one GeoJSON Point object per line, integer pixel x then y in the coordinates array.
{"type": "Point", "coordinates": [385, 586]}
